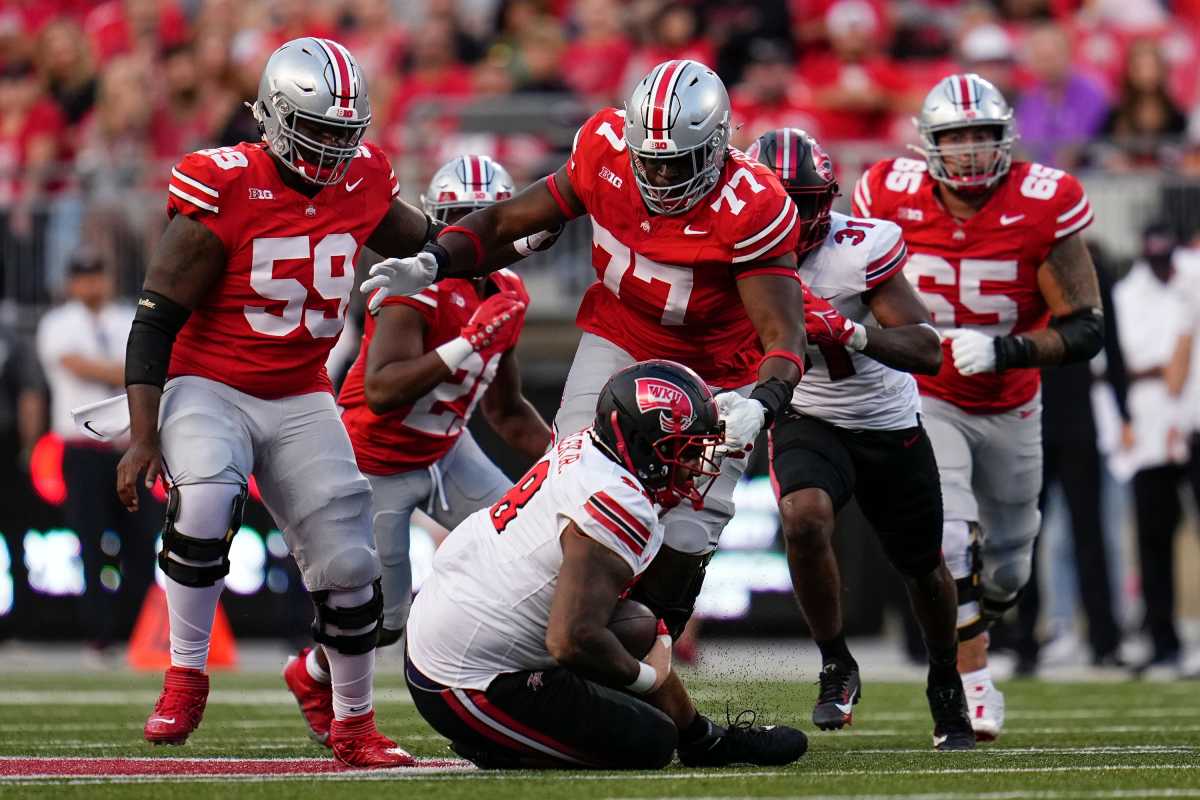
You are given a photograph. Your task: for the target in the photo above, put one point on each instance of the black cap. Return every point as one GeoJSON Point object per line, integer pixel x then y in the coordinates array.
{"type": "Point", "coordinates": [1158, 240]}
{"type": "Point", "coordinates": [85, 262]}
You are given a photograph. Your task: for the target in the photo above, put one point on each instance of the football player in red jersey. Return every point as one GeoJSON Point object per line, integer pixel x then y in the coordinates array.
{"type": "Point", "coordinates": [424, 364]}
{"type": "Point", "coordinates": [693, 246]}
{"type": "Point", "coordinates": [243, 299]}
{"type": "Point", "coordinates": [854, 430]}
{"type": "Point", "coordinates": [996, 254]}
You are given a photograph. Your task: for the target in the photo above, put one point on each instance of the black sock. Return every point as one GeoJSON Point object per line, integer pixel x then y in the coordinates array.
{"type": "Point", "coordinates": [835, 650]}
{"type": "Point", "coordinates": [943, 664]}
{"type": "Point", "coordinates": [699, 728]}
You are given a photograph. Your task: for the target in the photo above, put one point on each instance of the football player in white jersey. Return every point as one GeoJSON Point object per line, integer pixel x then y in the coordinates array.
{"type": "Point", "coordinates": [854, 429]}
{"type": "Point", "coordinates": [509, 654]}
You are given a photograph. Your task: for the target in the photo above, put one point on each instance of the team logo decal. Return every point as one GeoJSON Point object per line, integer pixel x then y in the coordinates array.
{"type": "Point", "coordinates": [657, 394]}
{"type": "Point", "coordinates": [822, 163]}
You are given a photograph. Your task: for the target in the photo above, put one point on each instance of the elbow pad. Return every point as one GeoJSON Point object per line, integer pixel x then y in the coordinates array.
{"type": "Point", "coordinates": [1082, 333]}
{"type": "Point", "coordinates": [156, 323]}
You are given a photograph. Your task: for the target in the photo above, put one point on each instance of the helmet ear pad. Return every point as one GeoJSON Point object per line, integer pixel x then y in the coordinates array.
{"type": "Point", "coordinates": [806, 172]}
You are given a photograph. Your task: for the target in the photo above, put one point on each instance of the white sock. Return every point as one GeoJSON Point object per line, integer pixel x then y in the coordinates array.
{"type": "Point", "coordinates": [191, 610]}
{"type": "Point", "coordinates": [352, 677]}
{"type": "Point", "coordinates": [979, 677]}
{"type": "Point", "coordinates": [313, 665]}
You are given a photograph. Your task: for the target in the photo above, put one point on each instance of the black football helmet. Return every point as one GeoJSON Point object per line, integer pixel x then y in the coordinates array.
{"type": "Point", "coordinates": [658, 419]}
{"type": "Point", "coordinates": [806, 172]}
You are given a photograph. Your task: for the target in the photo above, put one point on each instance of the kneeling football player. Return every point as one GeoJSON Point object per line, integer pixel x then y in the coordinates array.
{"type": "Point", "coordinates": [426, 361]}
{"type": "Point", "coordinates": [854, 429]}
{"type": "Point", "coordinates": [509, 654]}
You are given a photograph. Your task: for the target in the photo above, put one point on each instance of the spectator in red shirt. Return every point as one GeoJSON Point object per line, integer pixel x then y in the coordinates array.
{"type": "Point", "coordinates": [856, 87]}
{"type": "Point", "coordinates": [31, 128]}
{"type": "Point", "coordinates": [540, 48]}
{"type": "Point", "coordinates": [770, 95]}
{"type": "Point", "coordinates": [596, 59]}
{"type": "Point", "coordinates": [434, 74]}
{"type": "Point", "coordinates": [674, 33]}
{"type": "Point", "coordinates": [124, 26]}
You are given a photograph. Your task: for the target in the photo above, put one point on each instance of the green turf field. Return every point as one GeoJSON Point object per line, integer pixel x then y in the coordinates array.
{"type": "Point", "coordinates": [1101, 740]}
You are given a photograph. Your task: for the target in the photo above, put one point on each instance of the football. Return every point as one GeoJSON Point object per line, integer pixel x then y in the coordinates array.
{"type": "Point", "coordinates": [635, 626]}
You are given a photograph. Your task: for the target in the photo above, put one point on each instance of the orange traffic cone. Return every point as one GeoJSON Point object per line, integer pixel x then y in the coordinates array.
{"type": "Point", "coordinates": [150, 644]}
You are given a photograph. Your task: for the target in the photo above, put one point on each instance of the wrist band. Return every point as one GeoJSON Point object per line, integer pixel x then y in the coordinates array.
{"type": "Point", "coordinates": [454, 352]}
{"type": "Point", "coordinates": [645, 680]}
{"type": "Point", "coordinates": [470, 234]}
{"type": "Point", "coordinates": [784, 354]}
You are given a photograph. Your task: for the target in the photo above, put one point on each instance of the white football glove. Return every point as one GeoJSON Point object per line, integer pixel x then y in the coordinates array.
{"type": "Point", "coordinates": [743, 419]}
{"type": "Point", "coordinates": [973, 352]}
{"type": "Point", "coordinates": [398, 276]}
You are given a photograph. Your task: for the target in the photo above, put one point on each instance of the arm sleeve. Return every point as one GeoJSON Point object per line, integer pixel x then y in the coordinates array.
{"type": "Point", "coordinates": [579, 173]}
{"type": "Point", "coordinates": [768, 229]}
{"type": "Point", "coordinates": [195, 190]}
{"type": "Point", "coordinates": [622, 520]}
{"type": "Point", "coordinates": [888, 253]}
{"type": "Point", "coordinates": [1072, 211]}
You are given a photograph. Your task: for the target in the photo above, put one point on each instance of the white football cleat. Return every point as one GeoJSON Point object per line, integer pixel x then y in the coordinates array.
{"type": "Point", "coordinates": [986, 706]}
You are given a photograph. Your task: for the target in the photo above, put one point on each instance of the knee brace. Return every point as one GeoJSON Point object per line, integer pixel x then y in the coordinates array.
{"type": "Point", "coordinates": [960, 544]}
{"type": "Point", "coordinates": [670, 586]}
{"type": "Point", "coordinates": [200, 561]}
{"type": "Point", "coordinates": [352, 630]}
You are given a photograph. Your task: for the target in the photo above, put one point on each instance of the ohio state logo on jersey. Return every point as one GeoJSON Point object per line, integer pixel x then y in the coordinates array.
{"type": "Point", "coordinates": [656, 394]}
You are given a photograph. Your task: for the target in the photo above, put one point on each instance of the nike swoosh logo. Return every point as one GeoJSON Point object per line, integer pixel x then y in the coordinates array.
{"type": "Point", "coordinates": [939, 740]}
{"type": "Point", "coordinates": [350, 187]}
{"type": "Point", "coordinates": [849, 704]}
{"type": "Point", "coordinates": [1007, 220]}
{"type": "Point", "coordinates": [690, 231]}
{"type": "Point", "coordinates": [88, 425]}
{"type": "Point", "coordinates": [168, 720]}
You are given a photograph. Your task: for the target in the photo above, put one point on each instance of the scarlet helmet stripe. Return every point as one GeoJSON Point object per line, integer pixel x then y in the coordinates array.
{"type": "Point", "coordinates": [344, 88]}
{"type": "Point", "coordinates": [658, 115]}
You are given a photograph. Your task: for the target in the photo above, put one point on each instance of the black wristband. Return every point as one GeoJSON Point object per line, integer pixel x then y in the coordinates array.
{"type": "Point", "coordinates": [442, 256]}
{"type": "Point", "coordinates": [774, 395]}
{"type": "Point", "coordinates": [1013, 352]}
{"type": "Point", "coordinates": [156, 322]}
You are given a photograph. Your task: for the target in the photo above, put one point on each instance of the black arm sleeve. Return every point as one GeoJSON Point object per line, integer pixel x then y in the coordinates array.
{"type": "Point", "coordinates": [156, 323]}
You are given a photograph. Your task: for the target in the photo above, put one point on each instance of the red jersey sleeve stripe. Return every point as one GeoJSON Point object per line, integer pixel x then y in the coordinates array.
{"type": "Point", "coordinates": [203, 187]}
{"type": "Point", "coordinates": [889, 269]}
{"type": "Point", "coordinates": [552, 185]}
{"type": "Point", "coordinates": [622, 512]}
{"type": "Point", "coordinates": [766, 231]}
{"type": "Point", "coordinates": [887, 257]}
{"type": "Point", "coordinates": [1080, 224]}
{"type": "Point", "coordinates": [862, 197]}
{"type": "Point", "coordinates": [783, 232]}
{"type": "Point", "coordinates": [1078, 209]}
{"type": "Point", "coordinates": [630, 532]}
{"type": "Point", "coordinates": [423, 298]}
{"type": "Point", "coordinates": [613, 528]}
{"type": "Point", "coordinates": [182, 195]}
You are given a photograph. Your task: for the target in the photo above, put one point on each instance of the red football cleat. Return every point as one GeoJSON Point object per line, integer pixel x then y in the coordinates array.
{"type": "Point", "coordinates": [180, 707]}
{"type": "Point", "coordinates": [315, 699]}
{"type": "Point", "coordinates": [357, 743]}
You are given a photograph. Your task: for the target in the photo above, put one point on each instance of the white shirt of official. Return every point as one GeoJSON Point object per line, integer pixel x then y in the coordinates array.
{"type": "Point", "coordinates": [72, 329]}
{"type": "Point", "coordinates": [1151, 316]}
{"type": "Point", "coordinates": [1187, 278]}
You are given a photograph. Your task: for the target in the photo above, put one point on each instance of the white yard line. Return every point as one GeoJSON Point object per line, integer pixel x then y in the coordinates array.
{"type": "Point", "coordinates": [250, 697]}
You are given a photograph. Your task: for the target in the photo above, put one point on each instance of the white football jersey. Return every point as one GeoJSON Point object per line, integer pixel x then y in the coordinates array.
{"type": "Point", "coordinates": [484, 609]}
{"type": "Point", "coordinates": [842, 387]}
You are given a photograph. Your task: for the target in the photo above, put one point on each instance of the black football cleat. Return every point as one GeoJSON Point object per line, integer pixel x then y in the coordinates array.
{"type": "Point", "coordinates": [951, 723]}
{"type": "Point", "coordinates": [743, 742]}
{"type": "Point", "coordinates": [840, 691]}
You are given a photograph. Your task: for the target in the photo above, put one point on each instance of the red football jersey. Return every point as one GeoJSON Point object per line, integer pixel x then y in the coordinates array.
{"type": "Point", "coordinates": [667, 285]}
{"type": "Point", "coordinates": [982, 273]}
{"type": "Point", "coordinates": [267, 326]}
{"type": "Point", "coordinates": [418, 434]}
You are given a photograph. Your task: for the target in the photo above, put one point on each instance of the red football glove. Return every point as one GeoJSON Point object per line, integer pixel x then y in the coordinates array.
{"type": "Point", "coordinates": [496, 323]}
{"type": "Point", "coordinates": [824, 324]}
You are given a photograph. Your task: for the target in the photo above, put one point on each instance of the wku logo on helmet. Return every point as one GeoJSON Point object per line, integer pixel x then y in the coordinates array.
{"type": "Point", "coordinates": [822, 162]}
{"type": "Point", "coordinates": [657, 394]}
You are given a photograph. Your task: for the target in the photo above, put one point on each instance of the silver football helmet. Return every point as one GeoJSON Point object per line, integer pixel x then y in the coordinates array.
{"type": "Point", "coordinates": [466, 184]}
{"type": "Point", "coordinates": [312, 107]}
{"type": "Point", "coordinates": [966, 101]}
{"type": "Point", "coordinates": [677, 121]}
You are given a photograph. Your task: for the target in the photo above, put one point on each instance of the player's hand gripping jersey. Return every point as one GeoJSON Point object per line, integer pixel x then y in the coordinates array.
{"type": "Point", "coordinates": [847, 388]}
{"type": "Point", "coordinates": [484, 609]}
{"type": "Point", "coordinates": [981, 273]}
{"type": "Point", "coordinates": [667, 284]}
{"type": "Point", "coordinates": [419, 433]}
{"type": "Point", "coordinates": [267, 326]}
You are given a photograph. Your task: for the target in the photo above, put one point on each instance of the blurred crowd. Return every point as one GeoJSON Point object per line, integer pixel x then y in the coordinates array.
{"type": "Point", "coordinates": [97, 97]}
